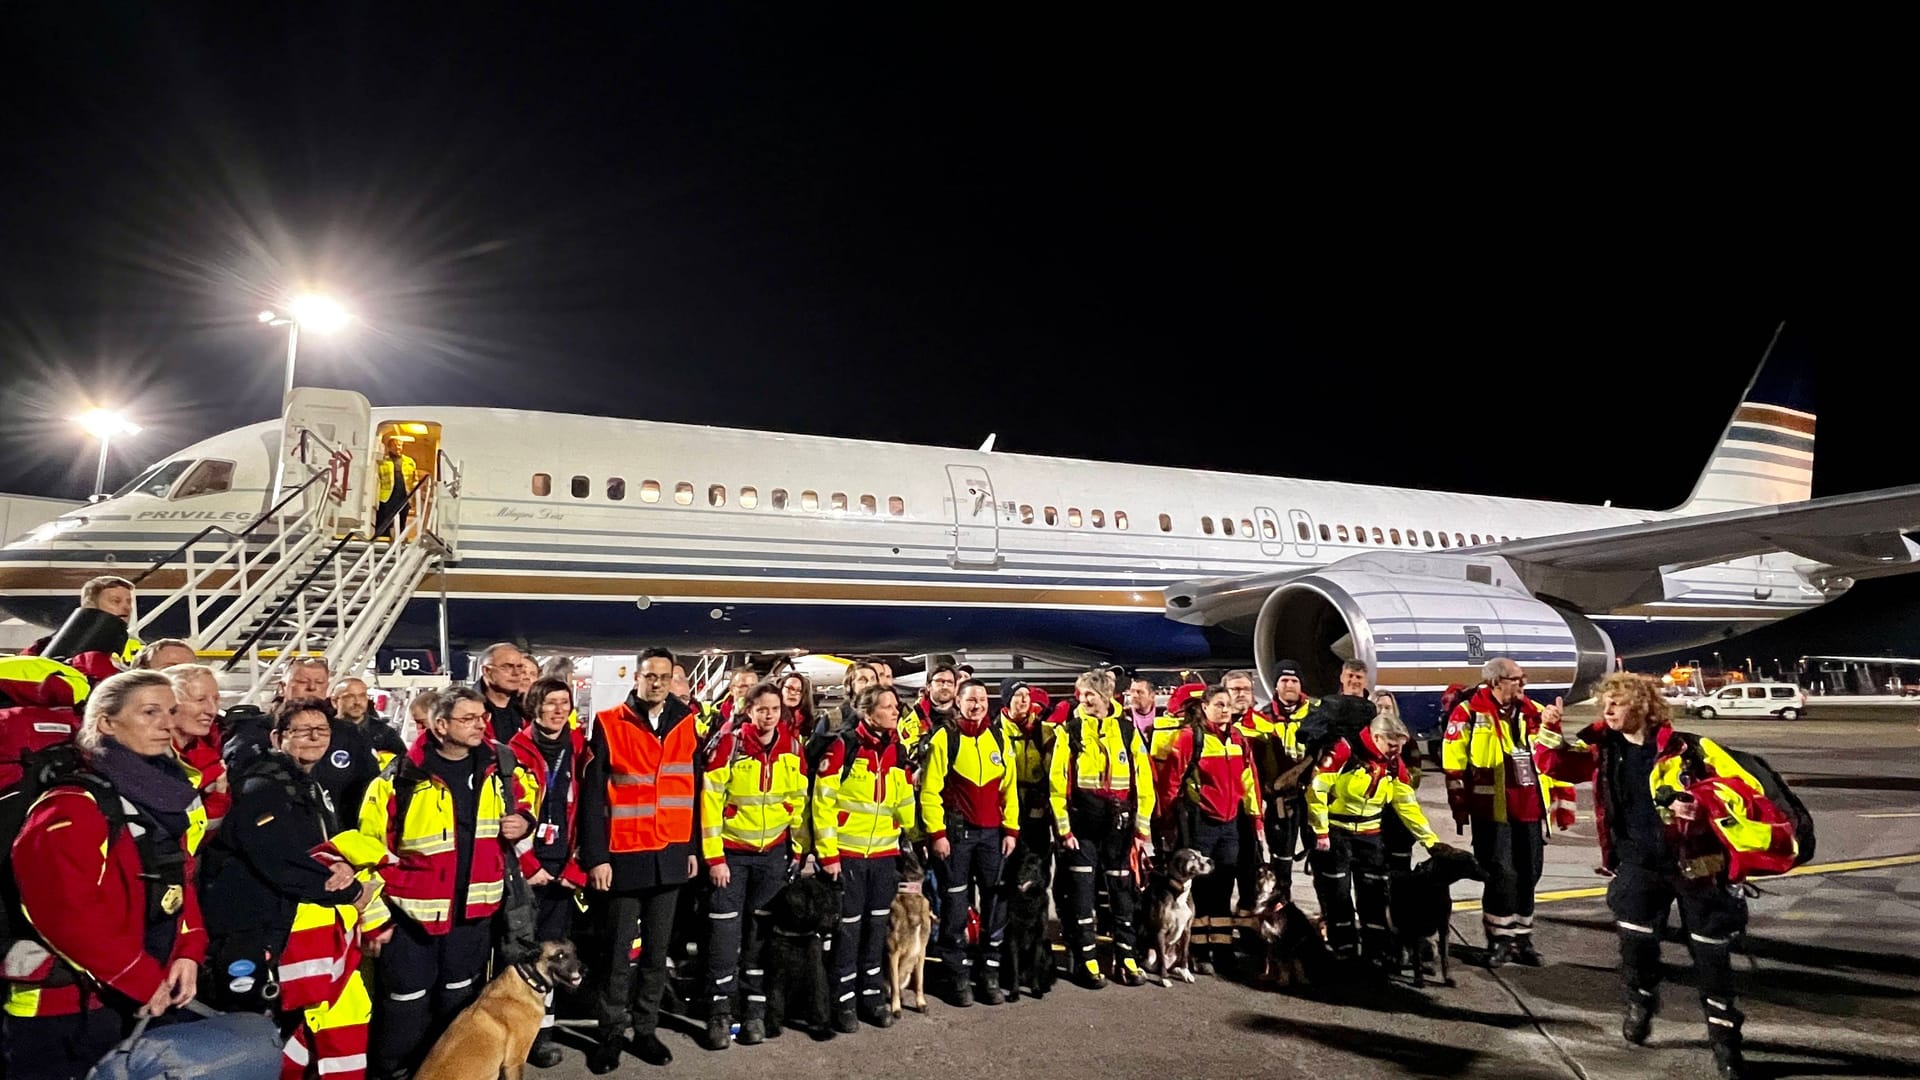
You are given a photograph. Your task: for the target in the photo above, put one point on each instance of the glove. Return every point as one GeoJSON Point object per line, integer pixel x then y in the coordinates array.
{"type": "Point", "coordinates": [1443, 850]}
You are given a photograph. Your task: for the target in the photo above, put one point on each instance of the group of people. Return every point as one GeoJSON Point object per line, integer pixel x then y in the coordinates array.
{"type": "Point", "coordinates": [252, 857]}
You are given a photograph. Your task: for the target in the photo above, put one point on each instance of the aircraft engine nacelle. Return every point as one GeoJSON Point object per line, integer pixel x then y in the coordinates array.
{"type": "Point", "coordinates": [1419, 634]}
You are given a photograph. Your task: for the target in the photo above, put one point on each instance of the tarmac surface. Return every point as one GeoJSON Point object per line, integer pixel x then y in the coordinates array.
{"type": "Point", "coordinates": [1831, 986]}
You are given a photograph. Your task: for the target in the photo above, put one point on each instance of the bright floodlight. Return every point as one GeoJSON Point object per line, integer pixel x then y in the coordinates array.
{"type": "Point", "coordinates": [105, 424]}
{"type": "Point", "coordinates": [321, 314]}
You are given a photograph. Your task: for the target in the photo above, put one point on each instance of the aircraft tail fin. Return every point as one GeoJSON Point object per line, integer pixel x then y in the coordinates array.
{"type": "Point", "coordinates": [1765, 455]}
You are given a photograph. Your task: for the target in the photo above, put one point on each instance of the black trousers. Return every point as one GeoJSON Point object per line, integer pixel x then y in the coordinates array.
{"type": "Point", "coordinates": [974, 863]}
{"type": "Point", "coordinates": [1282, 835]}
{"type": "Point", "coordinates": [1510, 854]}
{"type": "Point", "coordinates": [1213, 894]}
{"type": "Point", "coordinates": [1354, 865]}
{"type": "Point", "coordinates": [1641, 900]}
{"type": "Point", "coordinates": [427, 980]}
{"type": "Point", "coordinates": [392, 515]}
{"type": "Point", "coordinates": [860, 944]}
{"type": "Point", "coordinates": [737, 914]}
{"type": "Point", "coordinates": [65, 1047]}
{"type": "Point", "coordinates": [1398, 842]}
{"type": "Point", "coordinates": [1104, 830]}
{"type": "Point", "coordinates": [639, 929]}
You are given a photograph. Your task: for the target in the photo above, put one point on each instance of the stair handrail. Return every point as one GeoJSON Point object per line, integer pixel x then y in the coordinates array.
{"type": "Point", "coordinates": [300, 590]}
{"type": "Point", "coordinates": [232, 536]}
{"type": "Point", "coordinates": [393, 589]}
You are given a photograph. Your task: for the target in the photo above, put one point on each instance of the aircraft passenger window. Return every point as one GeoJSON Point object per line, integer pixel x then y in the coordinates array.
{"type": "Point", "coordinates": [1413, 537]}
{"type": "Point", "coordinates": [1325, 533]}
{"type": "Point", "coordinates": [1503, 539]}
{"type": "Point", "coordinates": [716, 494]}
{"type": "Point", "coordinates": [1341, 531]}
{"type": "Point", "coordinates": [838, 501]}
{"type": "Point", "coordinates": [649, 491]}
{"type": "Point", "coordinates": [1360, 534]}
{"type": "Point", "coordinates": [1427, 534]}
{"type": "Point", "coordinates": [1377, 538]}
{"type": "Point", "coordinates": [683, 493]}
{"type": "Point", "coordinates": [1052, 516]}
{"type": "Point", "coordinates": [779, 498]}
{"type": "Point", "coordinates": [1226, 525]}
{"type": "Point", "coordinates": [1166, 523]}
{"type": "Point", "coordinates": [869, 505]}
{"type": "Point", "coordinates": [207, 478]}
{"type": "Point", "coordinates": [1475, 537]}
{"type": "Point", "coordinates": [616, 489]}
{"type": "Point", "coordinates": [1246, 527]}
{"type": "Point", "coordinates": [1459, 541]}
{"type": "Point", "coordinates": [1099, 519]}
{"type": "Point", "coordinates": [1300, 529]}
{"type": "Point", "coordinates": [1073, 516]}
{"type": "Point", "coordinates": [896, 506]}
{"type": "Point", "coordinates": [1443, 540]}
{"type": "Point", "coordinates": [580, 487]}
{"type": "Point", "coordinates": [749, 498]}
{"type": "Point", "coordinates": [1206, 525]}
{"type": "Point", "coordinates": [1119, 519]}
{"type": "Point", "coordinates": [1394, 535]}
{"type": "Point", "coordinates": [542, 484]}
{"type": "Point", "coordinates": [1026, 514]}
{"type": "Point", "coordinates": [809, 501]}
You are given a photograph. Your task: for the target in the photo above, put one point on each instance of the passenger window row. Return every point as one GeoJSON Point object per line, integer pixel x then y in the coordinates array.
{"type": "Point", "coordinates": [1392, 537]}
{"type": "Point", "coordinates": [1074, 518]}
{"type": "Point", "coordinates": [651, 491]}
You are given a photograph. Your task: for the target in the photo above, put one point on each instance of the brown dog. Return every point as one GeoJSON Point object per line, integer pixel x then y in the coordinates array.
{"type": "Point", "coordinates": [907, 934]}
{"type": "Point", "coordinates": [490, 1038]}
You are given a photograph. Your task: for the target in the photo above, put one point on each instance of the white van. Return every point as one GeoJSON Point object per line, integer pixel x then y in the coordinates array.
{"type": "Point", "coordinates": [1784, 700]}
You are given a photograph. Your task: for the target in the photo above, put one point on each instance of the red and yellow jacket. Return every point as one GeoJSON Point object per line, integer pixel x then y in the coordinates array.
{"type": "Point", "coordinates": [205, 769]}
{"type": "Point", "coordinates": [532, 766]}
{"type": "Point", "coordinates": [754, 795]}
{"type": "Point", "coordinates": [1112, 764]}
{"type": "Point", "coordinates": [1222, 786]}
{"type": "Point", "coordinates": [1737, 831]}
{"type": "Point", "coordinates": [1353, 786]}
{"type": "Point", "coordinates": [427, 842]}
{"type": "Point", "coordinates": [967, 774]}
{"type": "Point", "coordinates": [89, 904]}
{"type": "Point", "coordinates": [1483, 754]}
{"type": "Point", "coordinates": [863, 803]}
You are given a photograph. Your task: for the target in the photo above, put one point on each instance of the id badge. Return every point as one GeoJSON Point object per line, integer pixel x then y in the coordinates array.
{"type": "Point", "coordinates": [1524, 774]}
{"type": "Point", "coordinates": [548, 833]}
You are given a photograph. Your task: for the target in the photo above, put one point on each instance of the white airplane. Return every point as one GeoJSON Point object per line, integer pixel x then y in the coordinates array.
{"type": "Point", "coordinates": [578, 532]}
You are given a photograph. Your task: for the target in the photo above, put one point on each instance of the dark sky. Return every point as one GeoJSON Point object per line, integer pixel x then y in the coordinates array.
{"type": "Point", "coordinates": [1189, 241]}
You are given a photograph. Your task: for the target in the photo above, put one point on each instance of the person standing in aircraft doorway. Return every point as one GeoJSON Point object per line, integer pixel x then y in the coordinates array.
{"type": "Point", "coordinates": [398, 473]}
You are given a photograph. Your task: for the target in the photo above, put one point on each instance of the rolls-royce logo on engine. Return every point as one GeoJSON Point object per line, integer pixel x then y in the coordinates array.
{"type": "Point", "coordinates": [1476, 645]}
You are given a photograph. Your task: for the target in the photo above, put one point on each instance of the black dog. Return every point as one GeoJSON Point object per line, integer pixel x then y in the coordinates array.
{"type": "Point", "coordinates": [796, 978]}
{"type": "Point", "coordinates": [1420, 907]}
{"type": "Point", "coordinates": [1029, 957]}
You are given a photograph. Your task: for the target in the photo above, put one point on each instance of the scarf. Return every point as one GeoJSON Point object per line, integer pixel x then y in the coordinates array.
{"type": "Point", "coordinates": [157, 785]}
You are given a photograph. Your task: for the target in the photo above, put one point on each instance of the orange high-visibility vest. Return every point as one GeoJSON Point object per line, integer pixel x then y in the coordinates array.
{"type": "Point", "coordinates": [650, 789]}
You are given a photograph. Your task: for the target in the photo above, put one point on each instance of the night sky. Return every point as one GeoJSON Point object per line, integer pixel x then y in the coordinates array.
{"type": "Point", "coordinates": [1190, 242]}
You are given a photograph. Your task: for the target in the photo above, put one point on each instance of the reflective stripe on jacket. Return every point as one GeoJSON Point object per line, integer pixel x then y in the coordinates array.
{"type": "Point", "coordinates": [1352, 789]}
{"type": "Point", "coordinates": [754, 795]}
{"type": "Point", "coordinates": [650, 785]}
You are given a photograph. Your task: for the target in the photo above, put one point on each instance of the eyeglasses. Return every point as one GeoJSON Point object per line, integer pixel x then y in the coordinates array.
{"type": "Point", "coordinates": [308, 733]}
{"type": "Point", "coordinates": [651, 677]}
{"type": "Point", "coordinates": [467, 718]}
{"type": "Point", "coordinates": [1521, 679]}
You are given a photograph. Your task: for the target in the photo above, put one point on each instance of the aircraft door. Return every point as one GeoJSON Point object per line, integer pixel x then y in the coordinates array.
{"type": "Point", "coordinates": [976, 518]}
{"type": "Point", "coordinates": [329, 430]}
{"type": "Point", "coordinates": [1301, 522]}
{"type": "Point", "coordinates": [1272, 540]}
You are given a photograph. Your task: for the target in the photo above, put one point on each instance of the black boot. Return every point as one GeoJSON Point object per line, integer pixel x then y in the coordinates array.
{"type": "Point", "coordinates": [605, 1055]}
{"type": "Point", "coordinates": [650, 1049]}
{"type": "Point", "coordinates": [719, 1031]}
{"type": "Point", "coordinates": [753, 1031]}
{"type": "Point", "coordinates": [1523, 951]}
{"type": "Point", "coordinates": [1501, 954]}
{"type": "Point", "coordinates": [544, 1053]}
{"type": "Point", "coordinates": [1638, 1022]}
{"type": "Point", "coordinates": [846, 1021]}
{"type": "Point", "coordinates": [1723, 1035]}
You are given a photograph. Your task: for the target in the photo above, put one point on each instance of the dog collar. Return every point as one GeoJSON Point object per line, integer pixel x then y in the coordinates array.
{"type": "Point", "coordinates": [910, 887]}
{"type": "Point", "coordinates": [532, 975]}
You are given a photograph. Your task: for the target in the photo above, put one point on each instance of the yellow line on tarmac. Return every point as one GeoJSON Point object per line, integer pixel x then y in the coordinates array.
{"type": "Point", "coordinates": [1798, 871]}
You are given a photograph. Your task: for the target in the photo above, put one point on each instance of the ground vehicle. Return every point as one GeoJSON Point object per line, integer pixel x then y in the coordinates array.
{"type": "Point", "coordinates": [1784, 700]}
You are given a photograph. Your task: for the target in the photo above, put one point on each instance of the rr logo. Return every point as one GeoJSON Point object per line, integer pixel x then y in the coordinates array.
{"type": "Point", "coordinates": [1476, 645]}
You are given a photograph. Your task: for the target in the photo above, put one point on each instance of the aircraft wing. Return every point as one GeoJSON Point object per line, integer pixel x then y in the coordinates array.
{"type": "Point", "coordinates": [1860, 530]}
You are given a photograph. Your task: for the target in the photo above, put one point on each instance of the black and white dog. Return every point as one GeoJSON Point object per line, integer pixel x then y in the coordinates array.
{"type": "Point", "coordinates": [1168, 918]}
{"type": "Point", "coordinates": [1420, 907]}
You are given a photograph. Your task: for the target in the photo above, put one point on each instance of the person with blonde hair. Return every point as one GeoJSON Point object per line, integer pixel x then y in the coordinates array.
{"type": "Point", "coordinates": [1101, 788]}
{"type": "Point", "coordinates": [1658, 795]}
{"type": "Point", "coordinates": [112, 890]}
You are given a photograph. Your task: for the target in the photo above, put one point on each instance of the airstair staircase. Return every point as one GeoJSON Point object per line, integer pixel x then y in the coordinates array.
{"type": "Point", "coordinates": [304, 580]}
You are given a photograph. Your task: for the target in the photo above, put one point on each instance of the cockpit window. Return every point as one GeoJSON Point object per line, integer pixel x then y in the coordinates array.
{"type": "Point", "coordinates": [207, 478]}
{"type": "Point", "coordinates": [155, 481]}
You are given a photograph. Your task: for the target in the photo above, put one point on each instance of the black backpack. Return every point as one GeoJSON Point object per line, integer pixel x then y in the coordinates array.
{"type": "Point", "coordinates": [1077, 741]}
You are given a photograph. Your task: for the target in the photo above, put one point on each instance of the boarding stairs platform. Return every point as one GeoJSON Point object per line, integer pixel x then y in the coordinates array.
{"type": "Point", "coordinates": [310, 577]}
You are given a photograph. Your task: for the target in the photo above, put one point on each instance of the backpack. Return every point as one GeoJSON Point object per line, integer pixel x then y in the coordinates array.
{"type": "Point", "coordinates": [1334, 718]}
{"type": "Point", "coordinates": [1772, 786]}
{"type": "Point", "coordinates": [1077, 741]}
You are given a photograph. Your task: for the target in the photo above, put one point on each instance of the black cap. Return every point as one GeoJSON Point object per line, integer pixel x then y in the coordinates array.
{"type": "Point", "coordinates": [1286, 667]}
